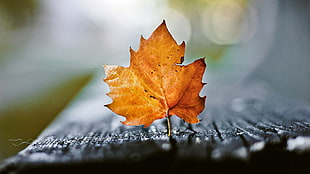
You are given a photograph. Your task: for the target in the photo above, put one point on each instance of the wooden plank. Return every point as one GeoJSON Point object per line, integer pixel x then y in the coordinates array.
{"type": "Point", "coordinates": [88, 137]}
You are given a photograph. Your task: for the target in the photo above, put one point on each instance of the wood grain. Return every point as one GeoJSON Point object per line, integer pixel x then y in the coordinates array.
{"type": "Point", "coordinates": [248, 132]}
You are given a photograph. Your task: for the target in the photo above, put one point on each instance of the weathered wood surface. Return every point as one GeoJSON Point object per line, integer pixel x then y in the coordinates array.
{"type": "Point", "coordinates": [243, 134]}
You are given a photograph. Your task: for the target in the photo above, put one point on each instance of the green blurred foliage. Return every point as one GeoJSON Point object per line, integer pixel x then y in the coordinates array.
{"type": "Point", "coordinates": [32, 91]}
{"type": "Point", "coordinates": [25, 118]}
{"type": "Point", "coordinates": [17, 13]}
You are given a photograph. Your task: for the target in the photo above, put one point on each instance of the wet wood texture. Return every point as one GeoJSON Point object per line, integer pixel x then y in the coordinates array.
{"type": "Point", "coordinates": [243, 134]}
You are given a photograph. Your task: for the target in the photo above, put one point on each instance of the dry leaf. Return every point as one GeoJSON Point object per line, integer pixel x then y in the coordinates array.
{"type": "Point", "coordinates": [155, 85]}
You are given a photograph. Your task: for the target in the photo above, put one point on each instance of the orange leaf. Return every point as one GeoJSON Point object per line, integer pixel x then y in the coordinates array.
{"type": "Point", "coordinates": [155, 85]}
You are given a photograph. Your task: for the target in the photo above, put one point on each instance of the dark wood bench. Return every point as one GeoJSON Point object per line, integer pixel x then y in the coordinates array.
{"type": "Point", "coordinates": [245, 134]}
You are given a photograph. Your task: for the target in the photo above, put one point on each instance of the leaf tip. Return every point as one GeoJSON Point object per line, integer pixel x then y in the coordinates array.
{"type": "Point", "coordinates": [131, 50]}
{"type": "Point", "coordinates": [182, 44]}
{"type": "Point", "coordinates": [202, 61]}
{"type": "Point", "coordinates": [164, 22]}
{"type": "Point", "coordinates": [105, 68]}
{"type": "Point", "coordinates": [142, 38]}
{"type": "Point", "coordinates": [203, 98]}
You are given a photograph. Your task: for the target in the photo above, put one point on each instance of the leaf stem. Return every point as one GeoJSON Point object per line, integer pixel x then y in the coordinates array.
{"type": "Point", "coordinates": [168, 124]}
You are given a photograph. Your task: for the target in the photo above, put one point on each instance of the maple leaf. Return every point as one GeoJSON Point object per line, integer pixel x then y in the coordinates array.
{"type": "Point", "coordinates": [156, 85]}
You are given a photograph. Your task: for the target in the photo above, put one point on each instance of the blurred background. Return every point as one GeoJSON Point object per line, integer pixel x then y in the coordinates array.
{"type": "Point", "coordinates": [51, 49]}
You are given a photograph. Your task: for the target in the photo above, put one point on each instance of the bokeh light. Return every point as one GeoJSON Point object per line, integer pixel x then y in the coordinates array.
{"type": "Point", "coordinates": [229, 21]}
